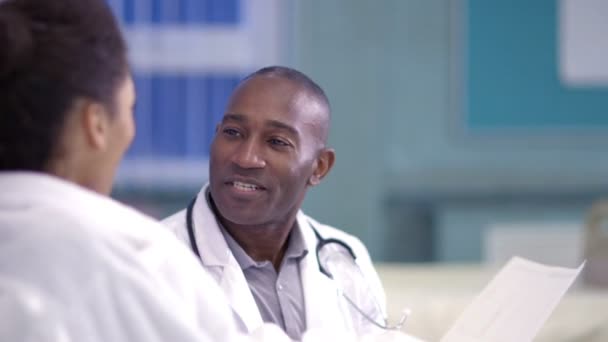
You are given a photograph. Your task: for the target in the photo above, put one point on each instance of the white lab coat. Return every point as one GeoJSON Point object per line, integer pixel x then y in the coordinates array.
{"type": "Point", "coordinates": [326, 309]}
{"type": "Point", "coordinates": [100, 270]}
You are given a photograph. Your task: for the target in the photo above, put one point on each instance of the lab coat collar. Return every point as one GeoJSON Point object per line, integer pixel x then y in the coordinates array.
{"type": "Point", "coordinates": [29, 188]}
{"type": "Point", "coordinates": [41, 185]}
{"type": "Point", "coordinates": [324, 307]}
{"type": "Point", "coordinates": [210, 241]}
{"type": "Point", "coordinates": [217, 257]}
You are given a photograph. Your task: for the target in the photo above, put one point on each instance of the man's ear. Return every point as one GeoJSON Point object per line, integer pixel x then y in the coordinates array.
{"type": "Point", "coordinates": [95, 122]}
{"type": "Point", "coordinates": [325, 161]}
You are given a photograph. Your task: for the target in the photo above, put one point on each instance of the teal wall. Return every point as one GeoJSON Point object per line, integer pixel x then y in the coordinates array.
{"type": "Point", "coordinates": [507, 62]}
{"type": "Point", "coordinates": [406, 161]}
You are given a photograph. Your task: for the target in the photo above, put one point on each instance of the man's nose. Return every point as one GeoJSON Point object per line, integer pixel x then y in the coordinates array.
{"type": "Point", "coordinates": [248, 156]}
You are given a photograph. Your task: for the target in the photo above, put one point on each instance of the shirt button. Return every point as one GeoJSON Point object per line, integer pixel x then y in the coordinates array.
{"type": "Point", "coordinates": [280, 287]}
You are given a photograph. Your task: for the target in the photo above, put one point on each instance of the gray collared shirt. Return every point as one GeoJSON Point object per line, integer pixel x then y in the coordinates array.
{"type": "Point", "coordinates": [279, 297]}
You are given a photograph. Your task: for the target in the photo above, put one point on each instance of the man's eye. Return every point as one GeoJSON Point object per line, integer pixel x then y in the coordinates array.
{"type": "Point", "coordinates": [278, 142]}
{"type": "Point", "coordinates": [231, 132]}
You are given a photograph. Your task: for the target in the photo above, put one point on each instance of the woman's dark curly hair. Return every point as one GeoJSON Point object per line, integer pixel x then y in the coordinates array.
{"type": "Point", "coordinates": [52, 52]}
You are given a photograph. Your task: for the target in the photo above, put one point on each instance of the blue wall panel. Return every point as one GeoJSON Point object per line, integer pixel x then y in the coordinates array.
{"type": "Point", "coordinates": [222, 12]}
{"type": "Point", "coordinates": [177, 112]}
{"type": "Point", "coordinates": [199, 12]}
{"type": "Point", "coordinates": [167, 116]}
{"type": "Point", "coordinates": [176, 115]}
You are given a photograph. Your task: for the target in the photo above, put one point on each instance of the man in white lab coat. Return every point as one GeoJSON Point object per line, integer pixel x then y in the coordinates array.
{"type": "Point", "coordinates": [246, 225]}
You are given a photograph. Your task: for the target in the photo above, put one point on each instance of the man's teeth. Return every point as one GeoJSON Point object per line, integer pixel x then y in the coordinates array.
{"type": "Point", "coordinates": [245, 186]}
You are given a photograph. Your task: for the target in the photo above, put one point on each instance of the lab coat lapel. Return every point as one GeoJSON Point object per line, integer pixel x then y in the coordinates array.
{"type": "Point", "coordinates": [325, 308]}
{"type": "Point", "coordinates": [219, 261]}
{"type": "Point", "coordinates": [239, 295]}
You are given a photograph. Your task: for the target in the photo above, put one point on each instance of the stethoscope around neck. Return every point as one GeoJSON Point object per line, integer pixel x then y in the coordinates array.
{"type": "Point", "coordinates": [323, 245]}
{"type": "Point", "coordinates": [322, 242]}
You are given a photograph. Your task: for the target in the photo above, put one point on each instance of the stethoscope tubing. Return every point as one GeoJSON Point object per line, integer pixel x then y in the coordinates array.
{"type": "Point", "coordinates": [321, 241]}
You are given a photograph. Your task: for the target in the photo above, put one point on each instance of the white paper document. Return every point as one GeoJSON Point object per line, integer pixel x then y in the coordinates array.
{"type": "Point", "coordinates": [514, 305]}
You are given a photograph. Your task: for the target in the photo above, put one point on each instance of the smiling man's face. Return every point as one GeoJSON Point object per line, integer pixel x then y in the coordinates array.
{"type": "Point", "coordinates": [265, 151]}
